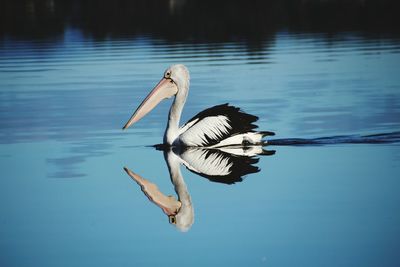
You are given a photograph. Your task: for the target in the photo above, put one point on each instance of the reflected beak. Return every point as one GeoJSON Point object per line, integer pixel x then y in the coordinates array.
{"type": "Point", "coordinates": [164, 89]}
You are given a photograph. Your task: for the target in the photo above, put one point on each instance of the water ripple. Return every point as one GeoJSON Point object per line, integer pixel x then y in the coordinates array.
{"type": "Point", "coordinates": [78, 91]}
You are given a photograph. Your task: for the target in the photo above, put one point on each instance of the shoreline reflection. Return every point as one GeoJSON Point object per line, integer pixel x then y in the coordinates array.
{"type": "Point", "coordinates": [225, 165]}
{"type": "Point", "coordinates": [102, 20]}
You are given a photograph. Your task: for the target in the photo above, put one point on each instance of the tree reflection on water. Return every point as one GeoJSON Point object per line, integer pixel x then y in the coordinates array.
{"type": "Point", "coordinates": [195, 21]}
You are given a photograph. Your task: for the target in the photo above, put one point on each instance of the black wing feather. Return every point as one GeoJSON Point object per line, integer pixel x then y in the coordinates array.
{"type": "Point", "coordinates": [240, 166]}
{"type": "Point", "coordinates": [239, 121]}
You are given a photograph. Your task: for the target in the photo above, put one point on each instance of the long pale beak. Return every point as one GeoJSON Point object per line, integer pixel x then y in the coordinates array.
{"type": "Point", "coordinates": [164, 89]}
{"type": "Point", "coordinates": [169, 204]}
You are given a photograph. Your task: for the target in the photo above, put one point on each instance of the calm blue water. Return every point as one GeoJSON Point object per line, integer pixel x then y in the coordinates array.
{"type": "Point", "coordinates": [65, 199]}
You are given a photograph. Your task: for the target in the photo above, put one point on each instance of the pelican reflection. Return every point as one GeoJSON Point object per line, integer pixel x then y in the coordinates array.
{"type": "Point", "coordinates": [226, 165]}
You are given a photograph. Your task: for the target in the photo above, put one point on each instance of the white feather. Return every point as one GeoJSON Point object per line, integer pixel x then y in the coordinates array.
{"type": "Point", "coordinates": [202, 161]}
{"type": "Point", "coordinates": [213, 127]}
{"type": "Point", "coordinates": [187, 126]}
{"type": "Point", "coordinates": [250, 137]}
{"type": "Point", "coordinates": [250, 151]}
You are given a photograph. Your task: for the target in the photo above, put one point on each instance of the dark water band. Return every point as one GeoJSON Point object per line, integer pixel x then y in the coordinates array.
{"type": "Point", "coordinates": [383, 138]}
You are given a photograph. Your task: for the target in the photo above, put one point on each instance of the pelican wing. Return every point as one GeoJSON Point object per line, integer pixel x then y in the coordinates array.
{"type": "Point", "coordinates": [215, 124]}
{"type": "Point", "coordinates": [218, 166]}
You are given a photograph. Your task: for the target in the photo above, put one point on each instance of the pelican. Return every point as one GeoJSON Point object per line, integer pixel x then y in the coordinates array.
{"type": "Point", "coordinates": [227, 166]}
{"type": "Point", "coordinates": [180, 211]}
{"type": "Point", "coordinates": [218, 126]}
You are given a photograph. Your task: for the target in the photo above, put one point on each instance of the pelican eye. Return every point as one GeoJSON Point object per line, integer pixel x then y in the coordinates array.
{"type": "Point", "coordinates": [168, 74]}
{"type": "Point", "coordinates": [172, 219]}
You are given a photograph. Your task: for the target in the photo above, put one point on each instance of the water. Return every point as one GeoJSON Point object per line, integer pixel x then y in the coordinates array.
{"type": "Point", "coordinates": [65, 93]}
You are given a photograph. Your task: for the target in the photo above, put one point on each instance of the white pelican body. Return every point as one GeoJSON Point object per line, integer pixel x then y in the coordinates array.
{"type": "Point", "coordinates": [218, 126]}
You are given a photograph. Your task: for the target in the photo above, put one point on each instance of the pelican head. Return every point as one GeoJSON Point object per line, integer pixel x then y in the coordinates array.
{"type": "Point", "coordinates": [184, 219]}
{"type": "Point", "coordinates": [175, 82]}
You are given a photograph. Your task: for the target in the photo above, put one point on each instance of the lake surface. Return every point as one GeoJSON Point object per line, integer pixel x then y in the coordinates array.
{"type": "Point", "coordinates": [65, 199]}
